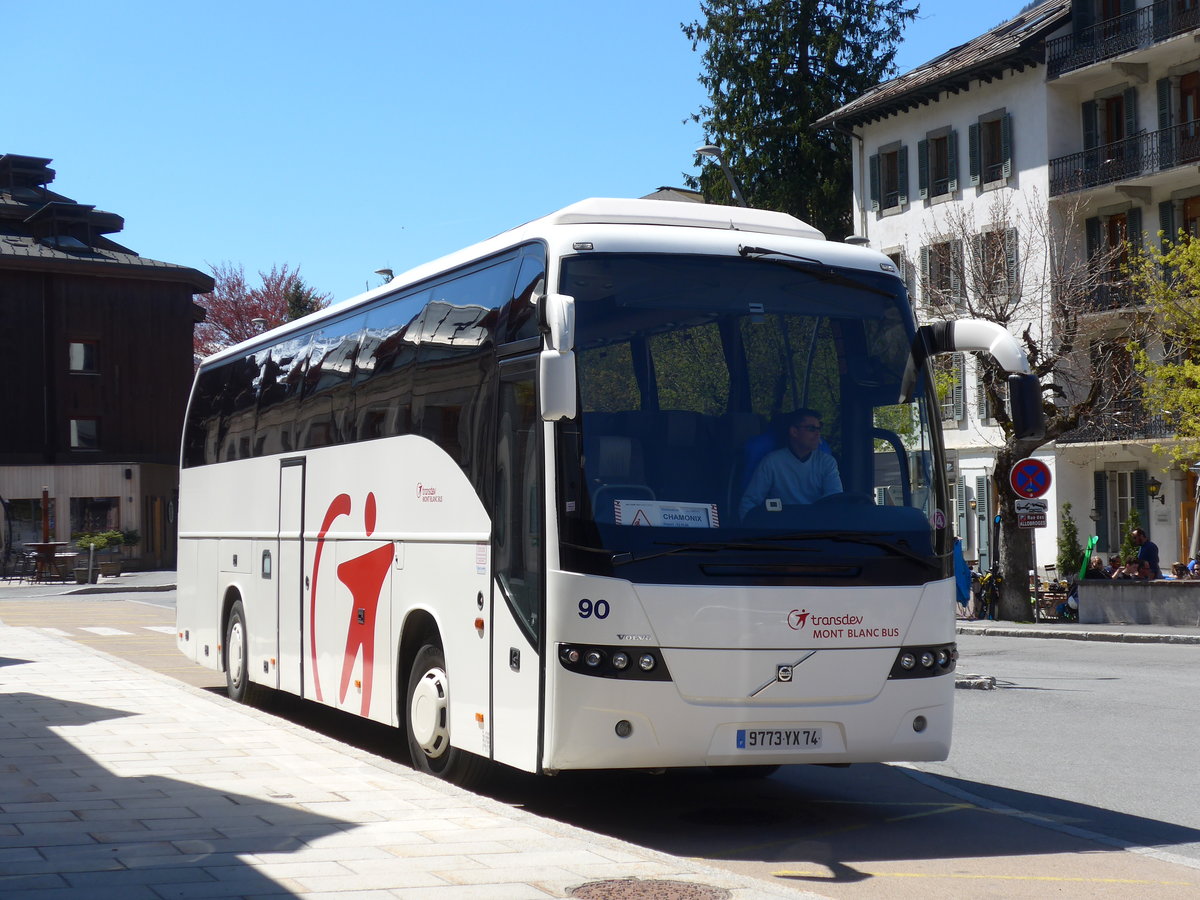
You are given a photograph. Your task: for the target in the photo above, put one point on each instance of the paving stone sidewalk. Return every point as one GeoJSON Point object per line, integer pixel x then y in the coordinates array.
{"type": "Point", "coordinates": [117, 782]}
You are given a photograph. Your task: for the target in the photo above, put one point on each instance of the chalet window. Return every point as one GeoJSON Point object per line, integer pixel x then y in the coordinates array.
{"type": "Point", "coordinates": [937, 164]}
{"type": "Point", "coordinates": [995, 274]}
{"type": "Point", "coordinates": [889, 178]}
{"type": "Point", "coordinates": [941, 274]}
{"type": "Point", "coordinates": [85, 434]}
{"type": "Point", "coordinates": [990, 141]}
{"type": "Point", "coordinates": [82, 356]}
{"type": "Point", "coordinates": [950, 376]}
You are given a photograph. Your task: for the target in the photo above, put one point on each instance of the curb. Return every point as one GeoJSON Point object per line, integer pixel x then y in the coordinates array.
{"type": "Point", "coordinates": [1116, 637]}
{"type": "Point", "coordinates": [123, 589]}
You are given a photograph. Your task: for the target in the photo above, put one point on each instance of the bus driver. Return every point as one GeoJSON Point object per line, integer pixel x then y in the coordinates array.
{"type": "Point", "coordinates": [800, 472]}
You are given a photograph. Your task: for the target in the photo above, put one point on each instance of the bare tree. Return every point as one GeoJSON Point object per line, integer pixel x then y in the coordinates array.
{"type": "Point", "coordinates": [1024, 267]}
{"type": "Point", "coordinates": [235, 312]}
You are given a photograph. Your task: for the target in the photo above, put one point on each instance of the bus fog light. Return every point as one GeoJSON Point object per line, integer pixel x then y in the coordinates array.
{"type": "Point", "coordinates": [570, 654]}
{"type": "Point", "coordinates": [927, 660]}
{"type": "Point", "coordinates": [620, 660]}
{"type": "Point", "coordinates": [593, 658]}
{"type": "Point", "coordinates": [624, 728]}
{"type": "Point", "coordinates": [907, 661]}
{"type": "Point", "coordinates": [920, 724]}
{"type": "Point", "coordinates": [646, 661]}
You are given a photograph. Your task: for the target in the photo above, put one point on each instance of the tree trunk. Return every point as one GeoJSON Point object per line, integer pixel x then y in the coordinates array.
{"type": "Point", "coordinates": [1016, 543]}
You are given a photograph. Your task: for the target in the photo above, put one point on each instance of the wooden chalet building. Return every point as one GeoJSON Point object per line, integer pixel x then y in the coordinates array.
{"type": "Point", "coordinates": [96, 363]}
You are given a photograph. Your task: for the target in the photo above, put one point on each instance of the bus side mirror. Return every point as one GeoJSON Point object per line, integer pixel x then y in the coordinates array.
{"type": "Point", "coordinates": [556, 385]}
{"type": "Point", "coordinates": [556, 318]}
{"type": "Point", "coordinates": [1025, 407]}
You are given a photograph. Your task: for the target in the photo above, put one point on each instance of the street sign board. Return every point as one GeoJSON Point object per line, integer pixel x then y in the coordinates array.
{"type": "Point", "coordinates": [1026, 505]}
{"type": "Point", "coordinates": [1031, 520]}
{"type": "Point", "coordinates": [1030, 478]}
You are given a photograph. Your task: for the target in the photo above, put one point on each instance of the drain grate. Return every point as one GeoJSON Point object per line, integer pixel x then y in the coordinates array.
{"type": "Point", "coordinates": [638, 889]}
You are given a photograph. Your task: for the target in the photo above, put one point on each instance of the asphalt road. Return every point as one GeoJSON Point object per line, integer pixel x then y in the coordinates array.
{"type": "Point", "coordinates": [1076, 777]}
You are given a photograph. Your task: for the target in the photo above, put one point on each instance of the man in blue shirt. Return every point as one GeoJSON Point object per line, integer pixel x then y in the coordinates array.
{"type": "Point", "coordinates": [799, 472]}
{"type": "Point", "coordinates": [1147, 551]}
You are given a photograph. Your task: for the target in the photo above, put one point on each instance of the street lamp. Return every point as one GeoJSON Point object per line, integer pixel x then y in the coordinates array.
{"type": "Point", "coordinates": [1154, 489]}
{"type": "Point", "coordinates": [715, 153]}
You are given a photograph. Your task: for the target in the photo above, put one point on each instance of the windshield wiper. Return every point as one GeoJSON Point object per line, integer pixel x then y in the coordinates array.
{"type": "Point", "coordinates": [871, 538]}
{"type": "Point", "coordinates": [772, 541]}
{"type": "Point", "coordinates": [810, 266]}
{"type": "Point", "coordinates": [622, 559]}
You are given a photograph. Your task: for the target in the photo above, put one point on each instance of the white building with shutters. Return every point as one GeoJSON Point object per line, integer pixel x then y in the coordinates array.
{"type": "Point", "coordinates": [1074, 106]}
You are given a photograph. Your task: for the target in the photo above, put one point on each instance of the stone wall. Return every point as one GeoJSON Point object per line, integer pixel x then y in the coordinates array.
{"type": "Point", "coordinates": [1169, 603]}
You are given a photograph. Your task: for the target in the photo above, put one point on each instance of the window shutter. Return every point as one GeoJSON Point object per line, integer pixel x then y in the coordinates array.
{"type": "Point", "coordinates": [1166, 139]}
{"type": "Point", "coordinates": [1011, 271]}
{"type": "Point", "coordinates": [1130, 112]}
{"type": "Point", "coordinates": [983, 513]}
{"type": "Point", "coordinates": [956, 271]}
{"type": "Point", "coordinates": [873, 164]}
{"type": "Point", "coordinates": [926, 281]}
{"type": "Point", "coordinates": [923, 169]}
{"type": "Point", "coordinates": [981, 404]}
{"type": "Point", "coordinates": [952, 160]}
{"type": "Point", "coordinates": [902, 175]}
{"type": "Point", "coordinates": [1100, 502]}
{"type": "Point", "coordinates": [973, 152]}
{"type": "Point", "coordinates": [1090, 132]}
{"type": "Point", "coordinates": [1081, 15]}
{"type": "Point", "coordinates": [961, 508]}
{"type": "Point", "coordinates": [960, 380]}
{"type": "Point", "coordinates": [1093, 236]}
{"type": "Point", "coordinates": [1133, 220]}
{"type": "Point", "coordinates": [1162, 21]}
{"type": "Point", "coordinates": [1166, 223]}
{"type": "Point", "coordinates": [1006, 149]}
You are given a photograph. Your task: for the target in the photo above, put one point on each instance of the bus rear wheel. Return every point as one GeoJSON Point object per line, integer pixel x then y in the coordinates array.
{"type": "Point", "coordinates": [238, 685]}
{"type": "Point", "coordinates": [427, 720]}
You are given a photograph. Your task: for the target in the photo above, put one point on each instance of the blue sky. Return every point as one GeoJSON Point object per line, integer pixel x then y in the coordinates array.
{"type": "Point", "coordinates": [344, 138]}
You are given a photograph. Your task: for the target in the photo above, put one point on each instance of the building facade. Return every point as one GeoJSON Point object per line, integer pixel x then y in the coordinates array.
{"type": "Point", "coordinates": [96, 353]}
{"type": "Point", "coordinates": [1051, 144]}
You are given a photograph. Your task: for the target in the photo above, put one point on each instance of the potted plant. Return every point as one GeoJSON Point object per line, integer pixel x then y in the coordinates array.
{"type": "Point", "coordinates": [94, 542]}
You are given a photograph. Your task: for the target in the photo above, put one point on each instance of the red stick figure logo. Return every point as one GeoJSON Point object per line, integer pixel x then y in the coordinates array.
{"type": "Point", "coordinates": [363, 576]}
{"type": "Point", "coordinates": [797, 619]}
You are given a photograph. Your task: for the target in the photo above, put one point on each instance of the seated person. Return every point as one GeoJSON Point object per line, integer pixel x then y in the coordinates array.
{"type": "Point", "coordinates": [1126, 572]}
{"type": "Point", "coordinates": [797, 473]}
{"type": "Point", "coordinates": [1096, 569]}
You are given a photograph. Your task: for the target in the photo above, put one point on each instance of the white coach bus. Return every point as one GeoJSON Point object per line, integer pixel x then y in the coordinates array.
{"type": "Point", "coordinates": [496, 502]}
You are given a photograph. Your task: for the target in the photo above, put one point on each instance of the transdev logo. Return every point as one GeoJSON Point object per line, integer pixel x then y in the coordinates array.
{"type": "Point", "coordinates": [797, 619]}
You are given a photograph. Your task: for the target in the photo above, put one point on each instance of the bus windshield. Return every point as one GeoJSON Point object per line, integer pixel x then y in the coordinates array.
{"type": "Point", "coordinates": [696, 371]}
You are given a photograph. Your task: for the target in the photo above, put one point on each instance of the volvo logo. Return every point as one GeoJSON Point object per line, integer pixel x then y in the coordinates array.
{"type": "Point", "coordinates": [783, 673]}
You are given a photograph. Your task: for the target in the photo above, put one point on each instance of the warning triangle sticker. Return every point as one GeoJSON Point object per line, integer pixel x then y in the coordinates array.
{"type": "Point", "coordinates": [641, 518]}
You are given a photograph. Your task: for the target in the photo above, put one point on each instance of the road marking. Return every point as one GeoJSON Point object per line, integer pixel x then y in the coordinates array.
{"type": "Point", "coordinates": [57, 632]}
{"type": "Point", "coordinates": [162, 629]}
{"type": "Point", "coordinates": [104, 631]}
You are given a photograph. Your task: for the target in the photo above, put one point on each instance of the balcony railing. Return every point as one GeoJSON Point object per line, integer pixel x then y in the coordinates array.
{"type": "Point", "coordinates": [1139, 155]}
{"type": "Point", "coordinates": [1123, 420]}
{"type": "Point", "coordinates": [1112, 37]}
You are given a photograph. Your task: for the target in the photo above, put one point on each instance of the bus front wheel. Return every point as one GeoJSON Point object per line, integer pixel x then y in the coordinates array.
{"type": "Point", "coordinates": [428, 723]}
{"type": "Point", "coordinates": [237, 658]}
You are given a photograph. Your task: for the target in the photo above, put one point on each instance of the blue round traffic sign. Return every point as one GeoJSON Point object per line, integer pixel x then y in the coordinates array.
{"type": "Point", "coordinates": [1030, 478]}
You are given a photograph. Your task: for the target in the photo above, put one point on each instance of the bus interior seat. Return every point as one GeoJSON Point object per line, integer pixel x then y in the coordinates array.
{"type": "Point", "coordinates": [617, 473]}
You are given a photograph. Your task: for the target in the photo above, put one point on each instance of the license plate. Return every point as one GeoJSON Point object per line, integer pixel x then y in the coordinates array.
{"type": "Point", "coordinates": [779, 738]}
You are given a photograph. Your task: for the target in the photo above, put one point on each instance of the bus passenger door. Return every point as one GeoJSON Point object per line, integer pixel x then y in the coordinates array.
{"type": "Point", "coordinates": [517, 608]}
{"type": "Point", "coordinates": [289, 575]}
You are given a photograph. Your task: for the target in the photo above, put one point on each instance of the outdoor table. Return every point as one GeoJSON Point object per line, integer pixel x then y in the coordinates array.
{"type": "Point", "coordinates": [46, 552]}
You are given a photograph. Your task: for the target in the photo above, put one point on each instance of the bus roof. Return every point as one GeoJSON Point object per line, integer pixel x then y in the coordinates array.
{"type": "Point", "coordinates": [594, 211]}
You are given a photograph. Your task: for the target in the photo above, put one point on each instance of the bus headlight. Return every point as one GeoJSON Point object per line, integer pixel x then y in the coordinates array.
{"type": "Point", "coordinates": [614, 662]}
{"type": "Point", "coordinates": [924, 662]}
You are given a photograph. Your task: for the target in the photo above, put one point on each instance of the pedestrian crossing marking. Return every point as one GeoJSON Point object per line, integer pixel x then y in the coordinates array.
{"type": "Point", "coordinates": [104, 631]}
{"type": "Point", "coordinates": [161, 629]}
